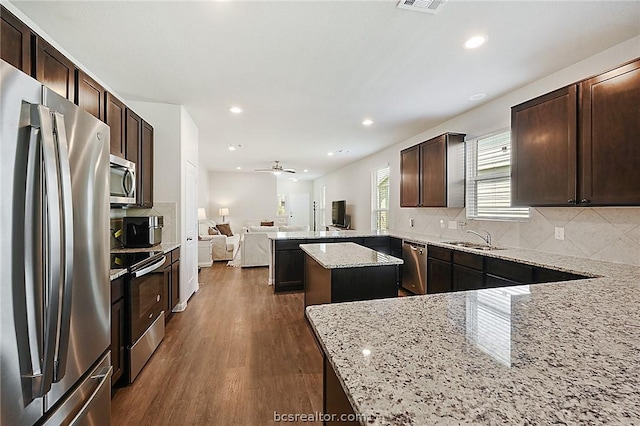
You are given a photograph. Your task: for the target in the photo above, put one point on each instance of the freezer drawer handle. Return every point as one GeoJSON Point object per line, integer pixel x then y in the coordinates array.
{"type": "Point", "coordinates": [104, 379]}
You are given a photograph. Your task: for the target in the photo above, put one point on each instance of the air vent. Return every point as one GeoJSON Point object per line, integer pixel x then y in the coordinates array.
{"type": "Point", "coordinates": [427, 6]}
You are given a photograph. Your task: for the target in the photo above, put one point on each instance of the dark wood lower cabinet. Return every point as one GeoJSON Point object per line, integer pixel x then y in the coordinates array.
{"type": "Point", "coordinates": [118, 338]}
{"type": "Point", "coordinates": [438, 276]}
{"type": "Point", "coordinates": [289, 270]}
{"type": "Point", "coordinates": [335, 403]}
{"type": "Point", "coordinates": [466, 278]}
{"type": "Point", "coordinates": [171, 273]}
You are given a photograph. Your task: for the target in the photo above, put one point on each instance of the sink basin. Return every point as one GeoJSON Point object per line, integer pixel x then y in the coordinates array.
{"type": "Point", "coordinates": [475, 246]}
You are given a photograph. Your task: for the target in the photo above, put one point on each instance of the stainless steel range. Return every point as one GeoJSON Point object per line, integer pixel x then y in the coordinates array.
{"type": "Point", "coordinates": [145, 299]}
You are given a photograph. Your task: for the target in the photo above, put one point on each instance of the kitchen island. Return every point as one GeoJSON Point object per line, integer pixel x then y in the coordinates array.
{"type": "Point", "coordinates": [565, 352]}
{"type": "Point", "coordinates": [344, 272]}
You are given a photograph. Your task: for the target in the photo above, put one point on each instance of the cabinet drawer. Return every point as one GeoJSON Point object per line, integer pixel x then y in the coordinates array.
{"type": "Point", "coordinates": [359, 241]}
{"type": "Point", "coordinates": [374, 242]}
{"type": "Point", "coordinates": [517, 272]}
{"type": "Point", "coordinates": [469, 260]}
{"type": "Point", "coordinates": [466, 278]}
{"type": "Point", "coordinates": [117, 289]}
{"type": "Point", "coordinates": [439, 253]}
{"type": "Point", "coordinates": [175, 255]}
{"type": "Point", "coordinates": [289, 244]}
{"type": "Point", "coordinates": [495, 282]}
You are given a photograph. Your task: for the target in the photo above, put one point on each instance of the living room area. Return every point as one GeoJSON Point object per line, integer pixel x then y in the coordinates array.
{"type": "Point", "coordinates": [236, 210]}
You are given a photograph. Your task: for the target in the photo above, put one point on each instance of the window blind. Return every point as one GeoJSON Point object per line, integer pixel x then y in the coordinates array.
{"type": "Point", "coordinates": [380, 198]}
{"type": "Point", "coordinates": [489, 179]}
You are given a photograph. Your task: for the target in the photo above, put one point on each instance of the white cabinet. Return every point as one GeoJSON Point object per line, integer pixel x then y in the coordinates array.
{"type": "Point", "coordinates": [204, 253]}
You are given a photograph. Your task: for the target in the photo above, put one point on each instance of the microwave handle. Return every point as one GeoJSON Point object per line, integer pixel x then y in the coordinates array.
{"type": "Point", "coordinates": [128, 183]}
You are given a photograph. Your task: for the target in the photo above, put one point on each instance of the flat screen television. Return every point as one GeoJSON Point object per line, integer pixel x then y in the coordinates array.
{"type": "Point", "coordinates": [338, 216]}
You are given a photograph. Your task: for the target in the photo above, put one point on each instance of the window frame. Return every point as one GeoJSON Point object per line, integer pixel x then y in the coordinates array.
{"type": "Point", "coordinates": [376, 208]}
{"type": "Point", "coordinates": [509, 214]}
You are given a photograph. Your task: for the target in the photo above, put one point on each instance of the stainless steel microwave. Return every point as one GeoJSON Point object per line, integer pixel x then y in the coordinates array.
{"type": "Point", "coordinates": [122, 182]}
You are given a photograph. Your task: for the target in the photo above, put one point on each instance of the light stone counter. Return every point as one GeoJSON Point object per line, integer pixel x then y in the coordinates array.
{"type": "Point", "coordinates": [566, 353]}
{"type": "Point", "coordinates": [165, 247]}
{"type": "Point", "coordinates": [116, 273]}
{"type": "Point", "coordinates": [347, 255]}
{"type": "Point", "coordinates": [310, 235]}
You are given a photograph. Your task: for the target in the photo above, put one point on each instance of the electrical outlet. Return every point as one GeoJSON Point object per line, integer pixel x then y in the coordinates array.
{"type": "Point", "coordinates": [559, 233]}
{"type": "Point", "coordinates": [411, 222]}
{"type": "Point", "coordinates": [453, 224]}
{"type": "Point", "coordinates": [441, 223]}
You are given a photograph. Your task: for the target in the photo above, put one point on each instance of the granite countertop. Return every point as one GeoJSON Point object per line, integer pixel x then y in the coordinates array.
{"type": "Point", "coordinates": [116, 273]}
{"type": "Point", "coordinates": [303, 235]}
{"type": "Point", "coordinates": [347, 255]}
{"type": "Point", "coordinates": [564, 352]}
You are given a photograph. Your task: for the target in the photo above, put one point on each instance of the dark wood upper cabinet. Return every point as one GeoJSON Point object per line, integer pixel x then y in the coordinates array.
{"type": "Point", "coordinates": [433, 190]}
{"type": "Point", "coordinates": [15, 42]}
{"type": "Point", "coordinates": [610, 128]}
{"type": "Point", "coordinates": [116, 116]}
{"type": "Point", "coordinates": [578, 144]}
{"type": "Point", "coordinates": [133, 134]}
{"type": "Point", "coordinates": [409, 177]}
{"type": "Point", "coordinates": [54, 70]}
{"type": "Point", "coordinates": [544, 149]}
{"type": "Point", "coordinates": [90, 95]}
{"type": "Point", "coordinates": [146, 166]}
{"type": "Point", "coordinates": [432, 173]}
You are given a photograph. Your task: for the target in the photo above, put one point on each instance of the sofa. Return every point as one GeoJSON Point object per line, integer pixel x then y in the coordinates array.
{"type": "Point", "coordinates": [224, 248]}
{"type": "Point", "coordinates": [256, 248]}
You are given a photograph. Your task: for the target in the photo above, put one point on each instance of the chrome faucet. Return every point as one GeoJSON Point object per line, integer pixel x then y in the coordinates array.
{"type": "Point", "coordinates": [486, 239]}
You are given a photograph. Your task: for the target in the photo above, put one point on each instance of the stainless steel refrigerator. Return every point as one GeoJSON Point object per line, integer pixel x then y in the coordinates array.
{"type": "Point", "coordinates": [55, 297]}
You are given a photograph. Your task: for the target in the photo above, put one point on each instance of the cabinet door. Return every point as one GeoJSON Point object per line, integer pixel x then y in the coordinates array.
{"type": "Point", "coordinates": [133, 133]}
{"type": "Point", "coordinates": [610, 125]}
{"type": "Point", "coordinates": [90, 95]}
{"type": "Point", "coordinates": [145, 168]}
{"type": "Point", "coordinates": [434, 173]}
{"type": "Point", "coordinates": [289, 270]}
{"type": "Point", "coordinates": [117, 339]}
{"type": "Point", "coordinates": [115, 117]}
{"type": "Point", "coordinates": [15, 42]}
{"type": "Point", "coordinates": [175, 285]}
{"type": "Point", "coordinates": [54, 70]}
{"type": "Point", "coordinates": [409, 177]}
{"type": "Point", "coordinates": [544, 150]}
{"type": "Point", "coordinates": [466, 278]}
{"type": "Point", "coordinates": [438, 276]}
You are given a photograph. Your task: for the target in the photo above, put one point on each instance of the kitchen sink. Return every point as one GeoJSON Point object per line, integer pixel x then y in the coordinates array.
{"type": "Point", "coordinates": [475, 246]}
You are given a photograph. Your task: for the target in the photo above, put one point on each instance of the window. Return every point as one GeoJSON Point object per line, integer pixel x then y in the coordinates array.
{"type": "Point", "coordinates": [489, 179]}
{"type": "Point", "coordinates": [380, 199]}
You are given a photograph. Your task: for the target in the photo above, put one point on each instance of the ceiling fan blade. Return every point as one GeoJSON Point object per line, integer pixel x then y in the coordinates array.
{"type": "Point", "coordinates": [288, 170]}
{"type": "Point", "coordinates": [263, 170]}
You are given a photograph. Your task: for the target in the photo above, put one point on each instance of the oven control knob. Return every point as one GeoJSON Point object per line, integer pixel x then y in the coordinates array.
{"type": "Point", "coordinates": [157, 298]}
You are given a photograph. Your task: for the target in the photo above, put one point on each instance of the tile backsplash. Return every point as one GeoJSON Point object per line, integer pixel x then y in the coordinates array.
{"type": "Point", "coordinates": [169, 212]}
{"type": "Point", "coordinates": [602, 233]}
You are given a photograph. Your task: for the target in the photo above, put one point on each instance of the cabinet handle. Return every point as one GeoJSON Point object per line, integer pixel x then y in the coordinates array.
{"type": "Point", "coordinates": [584, 201]}
{"type": "Point", "coordinates": [571, 201]}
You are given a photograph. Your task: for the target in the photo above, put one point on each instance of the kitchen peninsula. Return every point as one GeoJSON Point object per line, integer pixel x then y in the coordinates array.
{"type": "Point", "coordinates": [564, 352]}
{"type": "Point", "coordinates": [344, 272]}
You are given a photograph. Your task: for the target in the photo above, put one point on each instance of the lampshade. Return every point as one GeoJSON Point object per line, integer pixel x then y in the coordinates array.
{"type": "Point", "coordinates": [223, 211]}
{"type": "Point", "coordinates": [202, 215]}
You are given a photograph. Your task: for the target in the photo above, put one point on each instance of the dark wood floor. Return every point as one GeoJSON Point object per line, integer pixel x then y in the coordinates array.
{"type": "Point", "coordinates": [237, 354]}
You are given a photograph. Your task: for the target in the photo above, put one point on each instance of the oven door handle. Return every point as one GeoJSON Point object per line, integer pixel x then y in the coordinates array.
{"type": "Point", "coordinates": [149, 268]}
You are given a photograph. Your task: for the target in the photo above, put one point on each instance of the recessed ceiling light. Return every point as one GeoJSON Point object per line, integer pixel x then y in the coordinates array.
{"type": "Point", "coordinates": [305, 170]}
{"type": "Point", "coordinates": [233, 147]}
{"type": "Point", "coordinates": [329, 154]}
{"type": "Point", "coordinates": [235, 109]}
{"type": "Point", "coordinates": [367, 122]}
{"type": "Point", "coordinates": [477, 97]}
{"type": "Point", "coordinates": [238, 168]}
{"type": "Point", "coordinates": [475, 41]}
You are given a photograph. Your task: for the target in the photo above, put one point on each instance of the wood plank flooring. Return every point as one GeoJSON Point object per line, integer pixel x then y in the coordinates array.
{"type": "Point", "coordinates": [237, 354]}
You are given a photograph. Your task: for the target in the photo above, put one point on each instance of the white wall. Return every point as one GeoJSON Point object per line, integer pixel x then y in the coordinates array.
{"type": "Point", "coordinates": [249, 197]}
{"type": "Point", "coordinates": [203, 188]}
{"type": "Point", "coordinates": [286, 186]}
{"type": "Point", "coordinates": [599, 233]}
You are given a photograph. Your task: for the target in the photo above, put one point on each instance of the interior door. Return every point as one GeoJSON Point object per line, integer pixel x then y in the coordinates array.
{"type": "Point", "coordinates": [298, 209]}
{"type": "Point", "coordinates": [190, 257]}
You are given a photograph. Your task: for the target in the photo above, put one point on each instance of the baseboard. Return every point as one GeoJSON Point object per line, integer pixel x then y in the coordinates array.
{"type": "Point", "coordinates": [180, 307]}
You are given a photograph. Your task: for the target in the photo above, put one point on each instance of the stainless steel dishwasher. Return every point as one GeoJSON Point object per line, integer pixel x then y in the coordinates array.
{"type": "Point", "coordinates": [414, 270]}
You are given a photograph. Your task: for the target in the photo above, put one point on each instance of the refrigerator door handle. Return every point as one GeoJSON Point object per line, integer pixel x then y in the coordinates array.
{"type": "Point", "coordinates": [41, 118]}
{"type": "Point", "coordinates": [66, 248]}
{"type": "Point", "coordinates": [34, 309]}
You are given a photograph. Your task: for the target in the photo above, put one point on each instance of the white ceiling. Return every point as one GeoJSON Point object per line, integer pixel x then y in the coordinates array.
{"type": "Point", "coordinates": [307, 73]}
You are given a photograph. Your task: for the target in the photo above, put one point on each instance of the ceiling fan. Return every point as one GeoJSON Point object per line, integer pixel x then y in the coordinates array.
{"type": "Point", "coordinates": [276, 169]}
